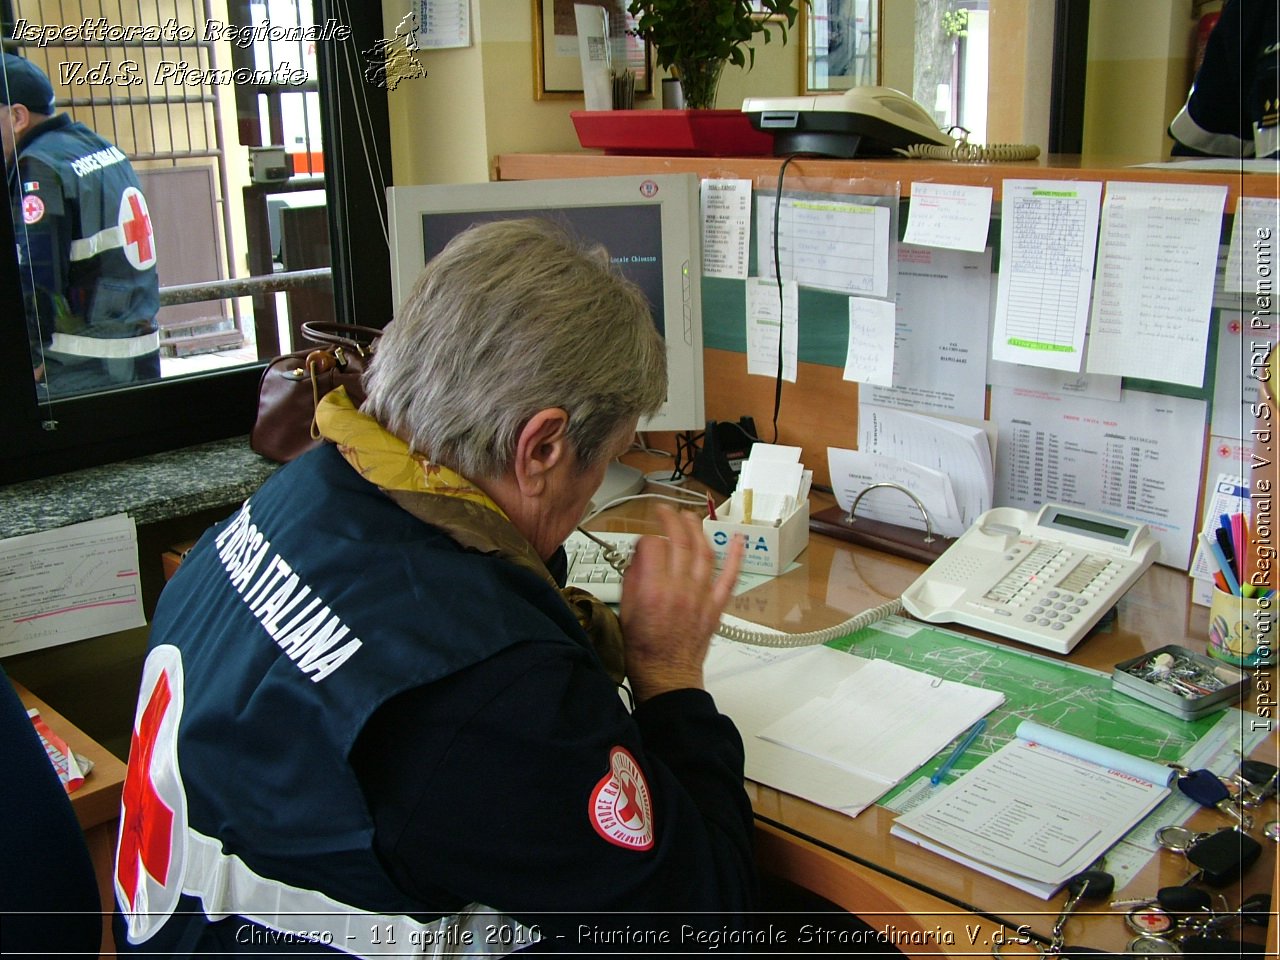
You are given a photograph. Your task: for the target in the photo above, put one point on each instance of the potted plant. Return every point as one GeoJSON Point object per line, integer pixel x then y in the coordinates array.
{"type": "Point", "coordinates": [695, 38]}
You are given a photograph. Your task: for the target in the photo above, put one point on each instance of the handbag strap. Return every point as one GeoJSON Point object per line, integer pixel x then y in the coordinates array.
{"type": "Point", "coordinates": [360, 339]}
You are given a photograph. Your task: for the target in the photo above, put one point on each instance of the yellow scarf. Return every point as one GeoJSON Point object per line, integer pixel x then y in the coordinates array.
{"type": "Point", "coordinates": [446, 499]}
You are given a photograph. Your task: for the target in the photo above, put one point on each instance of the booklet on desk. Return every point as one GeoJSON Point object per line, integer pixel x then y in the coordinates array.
{"type": "Point", "coordinates": [1039, 810]}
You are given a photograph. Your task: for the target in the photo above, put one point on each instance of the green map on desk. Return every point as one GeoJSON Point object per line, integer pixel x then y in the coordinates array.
{"type": "Point", "coordinates": [1069, 698]}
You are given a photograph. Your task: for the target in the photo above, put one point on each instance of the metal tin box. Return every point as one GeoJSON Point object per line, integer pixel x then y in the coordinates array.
{"type": "Point", "coordinates": [1192, 686]}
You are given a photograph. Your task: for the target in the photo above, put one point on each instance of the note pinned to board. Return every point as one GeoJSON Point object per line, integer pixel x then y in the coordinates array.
{"type": "Point", "coordinates": [69, 584]}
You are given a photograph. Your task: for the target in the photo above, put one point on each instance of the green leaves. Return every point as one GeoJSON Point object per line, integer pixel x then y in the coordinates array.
{"type": "Point", "coordinates": [689, 30]}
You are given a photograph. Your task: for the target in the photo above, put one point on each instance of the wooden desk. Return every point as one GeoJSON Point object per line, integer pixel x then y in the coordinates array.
{"type": "Point", "coordinates": [96, 803]}
{"type": "Point", "coordinates": [809, 843]}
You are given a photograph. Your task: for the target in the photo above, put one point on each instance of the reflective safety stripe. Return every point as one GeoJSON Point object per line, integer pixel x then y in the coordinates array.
{"type": "Point", "coordinates": [105, 348]}
{"type": "Point", "coordinates": [1186, 131]}
{"type": "Point", "coordinates": [228, 888]}
{"type": "Point", "coordinates": [112, 238]}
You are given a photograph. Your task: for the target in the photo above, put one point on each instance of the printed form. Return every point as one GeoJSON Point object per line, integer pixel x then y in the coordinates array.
{"type": "Point", "coordinates": [831, 244]}
{"type": "Point", "coordinates": [1048, 236]}
{"type": "Point", "coordinates": [68, 584]}
{"type": "Point", "coordinates": [726, 228]}
{"type": "Point", "coordinates": [942, 322]}
{"type": "Point", "coordinates": [1138, 459]}
{"type": "Point", "coordinates": [1157, 257]}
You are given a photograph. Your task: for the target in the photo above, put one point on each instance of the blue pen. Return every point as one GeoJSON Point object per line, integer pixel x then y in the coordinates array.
{"type": "Point", "coordinates": [958, 752]}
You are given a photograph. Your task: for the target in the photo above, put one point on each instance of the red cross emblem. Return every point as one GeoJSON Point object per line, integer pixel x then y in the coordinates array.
{"type": "Point", "coordinates": [150, 849]}
{"type": "Point", "coordinates": [135, 222]}
{"type": "Point", "coordinates": [621, 811]}
{"type": "Point", "coordinates": [32, 209]}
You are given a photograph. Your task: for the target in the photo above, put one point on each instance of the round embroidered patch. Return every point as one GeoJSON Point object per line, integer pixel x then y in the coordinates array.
{"type": "Point", "coordinates": [621, 810]}
{"type": "Point", "coordinates": [32, 209]}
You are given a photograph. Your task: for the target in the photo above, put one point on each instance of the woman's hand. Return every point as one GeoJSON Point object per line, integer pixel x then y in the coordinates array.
{"type": "Point", "coordinates": [672, 599]}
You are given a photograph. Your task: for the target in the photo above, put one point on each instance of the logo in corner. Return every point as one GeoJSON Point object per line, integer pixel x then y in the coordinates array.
{"type": "Point", "coordinates": [648, 189]}
{"type": "Point", "coordinates": [393, 60]}
{"type": "Point", "coordinates": [621, 810]}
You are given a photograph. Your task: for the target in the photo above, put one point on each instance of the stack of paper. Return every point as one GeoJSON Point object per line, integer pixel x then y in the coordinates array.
{"type": "Point", "coordinates": [837, 729]}
{"type": "Point", "coordinates": [947, 464]}
{"type": "Point", "coordinates": [775, 481]}
{"type": "Point", "coordinates": [1042, 808]}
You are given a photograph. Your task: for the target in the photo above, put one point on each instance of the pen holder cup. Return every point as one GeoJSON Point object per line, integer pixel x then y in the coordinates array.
{"type": "Point", "coordinates": [1242, 629]}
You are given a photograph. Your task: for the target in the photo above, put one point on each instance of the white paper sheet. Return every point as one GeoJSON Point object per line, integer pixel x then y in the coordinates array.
{"type": "Point", "coordinates": [942, 329]}
{"type": "Point", "coordinates": [726, 228]}
{"type": "Point", "coordinates": [869, 357]}
{"type": "Point", "coordinates": [952, 448]}
{"type": "Point", "coordinates": [1138, 459]}
{"type": "Point", "coordinates": [444, 24]}
{"type": "Point", "coordinates": [883, 722]}
{"type": "Point", "coordinates": [831, 244]}
{"type": "Point", "coordinates": [68, 584]}
{"type": "Point", "coordinates": [1157, 255]}
{"type": "Point", "coordinates": [762, 328]}
{"type": "Point", "coordinates": [852, 471]}
{"type": "Point", "coordinates": [1048, 236]}
{"type": "Point", "coordinates": [1251, 253]}
{"type": "Point", "coordinates": [1234, 393]}
{"type": "Point", "coordinates": [949, 215]}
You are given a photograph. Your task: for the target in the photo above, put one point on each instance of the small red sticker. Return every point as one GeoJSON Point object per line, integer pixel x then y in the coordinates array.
{"type": "Point", "coordinates": [621, 810]}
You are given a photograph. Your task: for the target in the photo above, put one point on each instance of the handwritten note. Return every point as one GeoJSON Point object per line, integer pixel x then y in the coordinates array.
{"type": "Point", "coordinates": [869, 357]}
{"type": "Point", "coordinates": [1154, 290]}
{"type": "Point", "coordinates": [766, 321]}
{"type": "Point", "coordinates": [949, 215]}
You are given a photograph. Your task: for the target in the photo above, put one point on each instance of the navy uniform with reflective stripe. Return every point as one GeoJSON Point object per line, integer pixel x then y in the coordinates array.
{"type": "Point", "coordinates": [452, 759]}
{"type": "Point", "coordinates": [87, 259]}
{"type": "Point", "coordinates": [1233, 109]}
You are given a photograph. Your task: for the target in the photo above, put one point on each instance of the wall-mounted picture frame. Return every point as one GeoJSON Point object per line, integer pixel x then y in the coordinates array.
{"type": "Point", "coordinates": [840, 44]}
{"type": "Point", "coordinates": [556, 65]}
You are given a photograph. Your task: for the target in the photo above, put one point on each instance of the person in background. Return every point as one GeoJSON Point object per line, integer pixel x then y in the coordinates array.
{"type": "Point", "coordinates": [371, 717]}
{"type": "Point", "coordinates": [86, 251]}
{"type": "Point", "coordinates": [1233, 109]}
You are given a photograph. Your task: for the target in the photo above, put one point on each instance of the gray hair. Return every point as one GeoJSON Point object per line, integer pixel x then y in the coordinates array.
{"type": "Point", "coordinates": [513, 317]}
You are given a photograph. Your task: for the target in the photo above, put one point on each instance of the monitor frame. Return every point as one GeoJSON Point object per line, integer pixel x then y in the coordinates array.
{"type": "Point", "coordinates": [675, 195]}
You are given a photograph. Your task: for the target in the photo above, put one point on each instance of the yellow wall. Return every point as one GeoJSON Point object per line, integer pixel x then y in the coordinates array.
{"type": "Point", "coordinates": [1138, 74]}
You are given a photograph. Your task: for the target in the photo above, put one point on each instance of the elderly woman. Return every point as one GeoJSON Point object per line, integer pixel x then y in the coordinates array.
{"type": "Point", "coordinates": [370, 718]}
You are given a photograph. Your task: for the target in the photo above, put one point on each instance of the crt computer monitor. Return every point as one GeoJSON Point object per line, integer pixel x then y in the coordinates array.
{"type": "Point", "coordinates": [649, 224]}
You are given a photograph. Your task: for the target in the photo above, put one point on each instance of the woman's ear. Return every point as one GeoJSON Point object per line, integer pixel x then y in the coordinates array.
{"type": "Point", "coordinates": [541, 447]}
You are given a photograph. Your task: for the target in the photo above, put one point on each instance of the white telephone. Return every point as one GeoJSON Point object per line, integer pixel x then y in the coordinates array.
{"type": "Point", "coordinates": [1043, 578]}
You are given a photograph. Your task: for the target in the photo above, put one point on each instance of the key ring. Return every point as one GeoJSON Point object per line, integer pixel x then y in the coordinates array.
{"type": "Point", "coordinates": [997, 949]}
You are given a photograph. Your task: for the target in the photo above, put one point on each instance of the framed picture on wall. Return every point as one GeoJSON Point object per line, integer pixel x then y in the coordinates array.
{"type": "Point", "coordinates": [840, 44]}
{"type": "Point", "coordinates": [556, 65]}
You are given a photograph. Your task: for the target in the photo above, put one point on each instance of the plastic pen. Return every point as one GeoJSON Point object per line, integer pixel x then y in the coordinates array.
{"type": "Point", "coordinates": [958, 752]}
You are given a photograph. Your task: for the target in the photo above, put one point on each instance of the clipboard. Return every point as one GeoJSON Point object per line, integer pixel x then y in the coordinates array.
{"type": "Point", "coordinates": [924, 546]}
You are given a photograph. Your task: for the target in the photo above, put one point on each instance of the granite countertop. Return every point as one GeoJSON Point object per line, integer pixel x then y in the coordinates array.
{"type": "Point", "coordinates": [162, 486]}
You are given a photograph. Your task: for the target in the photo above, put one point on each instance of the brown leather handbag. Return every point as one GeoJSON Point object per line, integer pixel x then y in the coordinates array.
{"type": "Point", "coordinates": [292, 385]}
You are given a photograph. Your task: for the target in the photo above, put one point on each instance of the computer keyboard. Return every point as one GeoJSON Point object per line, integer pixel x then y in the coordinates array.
{"type": "Point", "coordinates": [588, 568]}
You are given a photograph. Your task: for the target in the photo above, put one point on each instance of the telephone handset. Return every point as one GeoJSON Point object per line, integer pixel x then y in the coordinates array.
{"type": "Point", "coordinates": [1043, 578]}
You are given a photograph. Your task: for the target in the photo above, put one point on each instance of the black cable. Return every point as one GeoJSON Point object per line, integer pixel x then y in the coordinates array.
{"type": "Point", "coordinates": [777, 276]}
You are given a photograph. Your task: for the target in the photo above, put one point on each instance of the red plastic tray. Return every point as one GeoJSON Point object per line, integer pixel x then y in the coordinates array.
{"type": "Point", "coordinates": [700, 133]}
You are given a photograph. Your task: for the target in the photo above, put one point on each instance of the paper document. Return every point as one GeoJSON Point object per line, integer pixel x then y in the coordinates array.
{"type": "Point", "coordinates": [1043, 807]}
{"type": "Point", "coordinates": [1235, 394]}
{"type": "Point", "coordinates": [443, 24]}
{"type": "Point", "coordinates": [726, 228]}
{"type": "Point", "coordinates": [1048, 235]}
{"type": "Point", "coordinates": [1157, 256]}
{"type": "Point", "coordinates": [949, 215]}
{"type": "Point", "coordinates": [832, 243]}
{"type": "Point", "coordinates": [68, 584]}
{"type": "Point", "coordinates": [853, 471]}
{"type": "Point", "coordinates": [758, 687]}
{"type": "Point", "coordinates": [942, 322]}
{"type": "Point", "coordinates": [766, 321]}
{"type": "Point", "coordinates": [869, 357]}
{"type": "Point", "coordinates": [1251, 261]}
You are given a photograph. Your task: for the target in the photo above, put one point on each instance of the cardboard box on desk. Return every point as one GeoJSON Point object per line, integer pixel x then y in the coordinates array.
{"type": "Point", "coordinates": [770, 549]}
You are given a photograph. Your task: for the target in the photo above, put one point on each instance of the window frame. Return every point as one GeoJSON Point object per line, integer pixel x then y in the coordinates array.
{"type": "Point", "coordinates": [166, 415]}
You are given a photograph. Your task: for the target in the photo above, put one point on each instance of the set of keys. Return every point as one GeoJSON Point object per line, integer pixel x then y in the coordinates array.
{"type": "Point", "coordinates": [1091, 884]}
{"type": "Point", "coordinates": [1182, 920]}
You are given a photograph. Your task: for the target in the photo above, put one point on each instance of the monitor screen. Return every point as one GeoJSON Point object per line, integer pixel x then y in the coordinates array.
{"type": "Point", "coordinates": [649, 224]}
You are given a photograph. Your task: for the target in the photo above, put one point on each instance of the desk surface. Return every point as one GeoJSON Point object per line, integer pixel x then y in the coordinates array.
{"type": "Point", "coordinates": [835, 580]}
